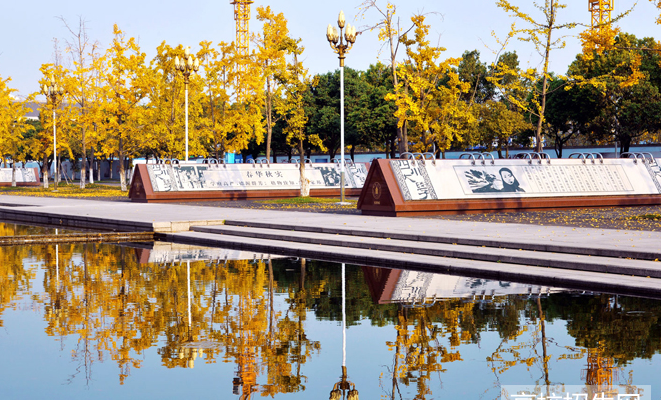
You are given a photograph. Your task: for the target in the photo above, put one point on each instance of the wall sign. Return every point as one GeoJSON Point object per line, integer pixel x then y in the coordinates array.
{"type": "Point", "coordinates": [456, 179]}
{"type": "Point", "coordinates": [23, 175]}
{"type": "Point", "coordinates": [202, 177]}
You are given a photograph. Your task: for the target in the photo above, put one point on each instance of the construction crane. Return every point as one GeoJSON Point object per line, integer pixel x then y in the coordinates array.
{"type": "Point", "coordinates": [600, 10]}
{"type": "Point", "coordinates": [600, 372]}
{"type": "Point", "coordinates": [242, 18]}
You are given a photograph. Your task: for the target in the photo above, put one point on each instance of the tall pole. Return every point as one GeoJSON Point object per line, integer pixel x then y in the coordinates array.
{"type": "Point", "coordinates": [342, 134]}
{"type": "Point", "coordinates": [52, 91]}
{"type": "Point", "coordinates": [186, 120]}
{"type": "Point", "coordinates": [54, 150]}
{"type": "Point", "coordinates": [57, 261]}
{"type": "Point", "coordinates": [337, 43]}
{"type": "Point", "coordinates": [187, 65]}
{"type": "Point", "coordinates": [344, 320]}
{"type": "Point", "coordinates": [188, 279]}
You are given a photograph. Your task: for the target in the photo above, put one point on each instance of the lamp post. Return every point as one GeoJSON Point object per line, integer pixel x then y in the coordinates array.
{"type": "Point", "coordinates": [338, 45]}
{"type": "Point", "coordinates": [52, 92]}
{"type": "Point", "coordinates": [187, 65]}
{"type": "Point", "coordinates": [344, 387]}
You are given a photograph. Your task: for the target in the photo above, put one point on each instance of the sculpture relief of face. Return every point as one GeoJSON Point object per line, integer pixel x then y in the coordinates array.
{"type": "Point", "coordinates": [507, 177]}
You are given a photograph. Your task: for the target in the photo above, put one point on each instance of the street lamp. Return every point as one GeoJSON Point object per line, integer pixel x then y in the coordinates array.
{"type": "Point", "coordinates": [187, 65]}
{"type": "Point", "coordinates": [344, 387]}
{"type": "Point", "coordinates": [52, 92]}
{"type": "Point", "coordinates": [341, 48]}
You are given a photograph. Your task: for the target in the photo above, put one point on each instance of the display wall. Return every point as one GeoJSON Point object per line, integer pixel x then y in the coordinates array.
{"type": "Point", "coordinates": [224, 181]}
{"type": "Point", "coordinates": [400, 186]}
{"type": "Point", "coordinates": [24, 177]}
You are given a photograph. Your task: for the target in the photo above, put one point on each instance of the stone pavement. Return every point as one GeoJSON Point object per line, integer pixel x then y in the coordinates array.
{"type": "Point", "coordinates": [566, 256]}
{"type": "Point", "coordinates": [108, 215]}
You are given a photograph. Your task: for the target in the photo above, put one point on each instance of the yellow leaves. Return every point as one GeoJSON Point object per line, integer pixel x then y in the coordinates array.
{"type": "Point", "coordinates": [657, 3]}
{"type": "Point", "coordinates": [597, 40]}
{"type": "Point", "coordinates": [636, 74]}
{"type": "Point", "coordinates": [67, 191]}
{"type": "Point", "coordinates": [432, 108]}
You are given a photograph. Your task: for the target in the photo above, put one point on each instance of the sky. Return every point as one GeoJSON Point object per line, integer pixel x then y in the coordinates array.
{"type": "Point", "coordinates": [28, 29]}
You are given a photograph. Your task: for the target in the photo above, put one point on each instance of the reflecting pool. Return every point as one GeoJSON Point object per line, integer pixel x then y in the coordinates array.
{"type": "Point", "coordinates": [169, 321]}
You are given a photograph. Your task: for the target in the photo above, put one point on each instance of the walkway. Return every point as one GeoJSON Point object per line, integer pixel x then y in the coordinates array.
{"type": "Point", "coordinates": [601, 259]}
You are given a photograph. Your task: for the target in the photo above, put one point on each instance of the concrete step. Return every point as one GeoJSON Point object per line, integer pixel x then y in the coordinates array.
{"type": "Point", "coordinates": [555, 277]}
{"type": "Point", "coordinates": [579, 246]}
{"type": "Point", "coordinates": [481, 253]}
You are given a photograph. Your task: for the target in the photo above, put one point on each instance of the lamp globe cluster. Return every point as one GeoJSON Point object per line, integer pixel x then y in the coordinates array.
{"type": "Point", "coordinates": [187, 64]}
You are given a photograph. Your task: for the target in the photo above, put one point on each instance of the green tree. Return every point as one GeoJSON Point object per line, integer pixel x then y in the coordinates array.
{"type": "Point", "coordinates": [373, 117]}
{"type": "Point", "coordinates": [498, 124]}
{"type": "Point", "coordinates": [323, 105]}
{"type": "Point", "coordinates": [629, 110]}
{"type": "Point", "coordinates": [569, 112]}
{"type": "Point", "coordinates": [474, 72]}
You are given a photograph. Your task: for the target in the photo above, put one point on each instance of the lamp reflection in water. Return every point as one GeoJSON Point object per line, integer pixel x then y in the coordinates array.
{"type": "Point", "coordinates": [344, 389]}
{"type": "Point", "coordinates": [189, 350]}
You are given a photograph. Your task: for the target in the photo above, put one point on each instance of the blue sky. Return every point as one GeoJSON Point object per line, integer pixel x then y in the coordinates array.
{"type": "Point", "coordinates": [27, 29]}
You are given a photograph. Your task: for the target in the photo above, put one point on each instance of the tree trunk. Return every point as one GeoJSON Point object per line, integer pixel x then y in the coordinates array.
{"type": "Point", "coordinates": [305, 183]}
{"type": "Point", "coordinates": [625, 144]}
{"type": "Point", "coordinates": [13, 172]}
{"type": "Point", "coordinates": [129, 169]}
{"type": "Point", "coordinates": [538, 133]}
{"type": "Point", "coordinates": [58, 162]}
{"type": "Point", "coordinates": [92, 168]}
{"type": "Point", "coordinates": [110, 167]}
{"type": "Point", "coordinates": [122, 172]}
{"type": "Point", "coordinates": [44, 171]}
{"type": "Point", "coordinates": [405, 135]}
{"type": "Point", "coordinates": [269, 119]}
{"type": "Point", "coordinates": [83, 162]}
{"type": "Point", "coordinates": [401, 131]}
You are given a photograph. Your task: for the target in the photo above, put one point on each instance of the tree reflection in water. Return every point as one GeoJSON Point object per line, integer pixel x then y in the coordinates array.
{"type": "Point", "coordinates": [252, 313]}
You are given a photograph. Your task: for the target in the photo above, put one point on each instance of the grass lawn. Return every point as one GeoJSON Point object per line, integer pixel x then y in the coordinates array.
{"type": "Point", "coordinates": [304, 200]}
{"type": "Point", "coordinates": [72, 190]}
{"type": "Point", "coordinates": [649, 216]}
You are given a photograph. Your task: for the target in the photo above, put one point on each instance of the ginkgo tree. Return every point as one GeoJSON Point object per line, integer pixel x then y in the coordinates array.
{"type": "Point", "coordinates": [12, 125]}
{"type": "Point", "coordinates": [428, 94]}
{"type": "Point", "coordinates": [271, 50]}
{"type": "Point", "coordinates": [540, 33]}
{"type": "Point", "coordinates": [296, 83]}
{"type": "Point", "coordinates": [391, 33]}
{"type": "Point", "coordinates": [127, 80]}
{"type": "Point", "coordinates": [81, 89]}
{"type": "Point", "coordinates": [218, 77]}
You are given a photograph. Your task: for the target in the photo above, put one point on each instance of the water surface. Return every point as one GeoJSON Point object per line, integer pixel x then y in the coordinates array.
{"type": "Point", "coordinates": [110, 321]}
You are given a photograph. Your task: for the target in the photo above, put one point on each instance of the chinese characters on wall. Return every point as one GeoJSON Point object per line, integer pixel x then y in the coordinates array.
{"type": "Point", "coordinates": [167, 178]}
